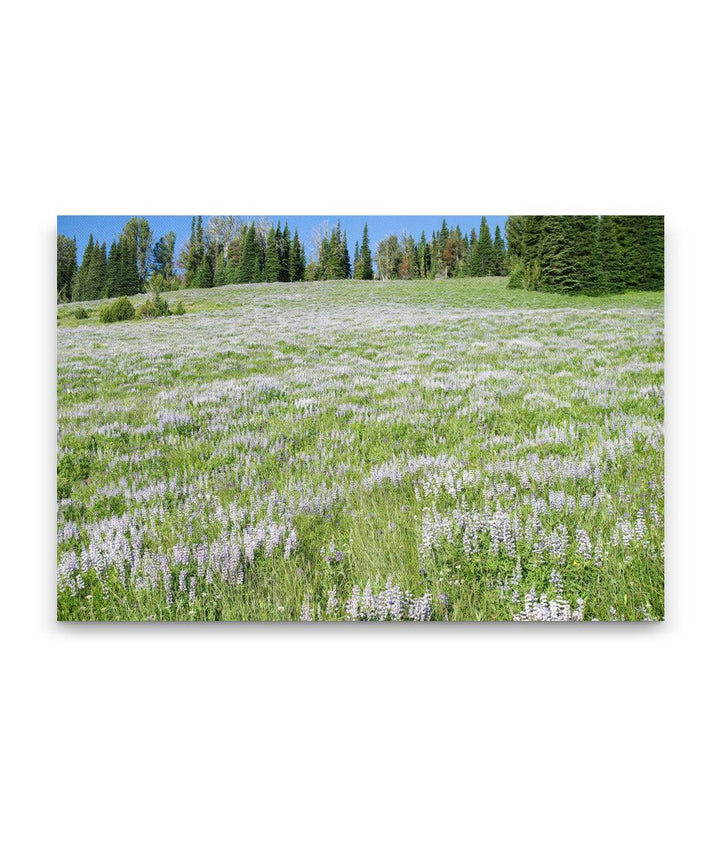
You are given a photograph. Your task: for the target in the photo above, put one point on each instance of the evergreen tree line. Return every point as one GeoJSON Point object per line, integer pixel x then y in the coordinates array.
{"type": "Point", "coordinates": [586, 254]}
{"type": "Point", "coordinates": [122, 270]}
{"type": "Point", "coordinates": [228, 250]}
{"type": "Point", "coordinates": [448, 253]}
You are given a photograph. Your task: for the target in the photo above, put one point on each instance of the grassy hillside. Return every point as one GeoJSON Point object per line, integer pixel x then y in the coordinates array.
{"type": "Point", "coordinates": [363, 450]}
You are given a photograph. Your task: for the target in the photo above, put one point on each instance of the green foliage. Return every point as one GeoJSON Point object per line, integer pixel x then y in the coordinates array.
{"type": "Point", "coordinates": [500, 268]}
{"type": "Point", "coordinates": [179, 309]}
{"type": "Point", "coordinates": [483, 257]}
{"type": "Point", "coordinates": [66, 267]}
{"type": "Point", "coordinates": [537, 436]}
{"type": "Point", "coordinates": [251, 257]}
{"type": "Point", "coordinates": [364, 269]}
{"type": "Point", "coordinates": [81, 313]}
{"type": "Point", "coordinates": [296, 267]}
{"type": "Point", "coordinates": [204, 274]}
{"type": "Point", "coordinates": [73, 467]}
{"type": "Point", "coordinates": [334, 261]}
{"type": "Point", "coordinates": [611, 264]}
{"type": "Point", "coordinates": [164, 256]}
{"type": "Point", "coordinates": [154, 308]}
{"type": "Point", "coordinates": [119, 310]}
{"type": "Point", "coordinates": [90, 282]}
{"type": "Point", "coordinates": [517, 277]}
{"type": "Point", "coordinates": [272, 258]}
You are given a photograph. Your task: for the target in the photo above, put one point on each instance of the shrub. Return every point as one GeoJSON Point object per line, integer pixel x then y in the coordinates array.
{"type": "Point", "coordinates": [119, 310]}
{"type": "Point", "coordinates": [154, 308]}
{"type": "Point", "coordinates": [517, 277]}
{"type": "Point", "coordinates": [81, 313]}
{"type": "Point", "coordinates": [179, 308]}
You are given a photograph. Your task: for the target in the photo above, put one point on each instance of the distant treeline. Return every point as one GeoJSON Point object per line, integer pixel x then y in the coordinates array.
{"type": "Point", "coordinates": [228, 250]}
{"type": "Point", "coordinates": [570, 254]}
{"type": "Point", "coordinates": [586, 254]}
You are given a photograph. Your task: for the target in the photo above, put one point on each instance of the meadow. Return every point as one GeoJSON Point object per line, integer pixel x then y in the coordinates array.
{"type": "Point", "coordinates": [363, 451]}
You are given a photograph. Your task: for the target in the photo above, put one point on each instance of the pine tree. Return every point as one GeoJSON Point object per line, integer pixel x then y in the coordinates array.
{"type": "Point", "coordinates": [532, 233]}
{"type": "Point", "coordinates": [284, 248]}
{"type": "Point", "coordinates": [220, 273]}
{"type": "Point", "coordinates": [204, 274]}
{"type": "Point", "coordinates": [500, 268]}
{"type": "Point", "coordinates": [513, 237]}
{"type": "Point", "coordinates": [82, 280]}
{"type": "Point", "coordinates": [129, 280]}
{"type": "Point", "coordinates": [424, 256]}
{"type": "Point", "coordinates": [344, 255]}
{"type": "Point", "coordinates": [272, 258]}
{"type": "Point", "coordinates": [113, 270]}
{"type": "Point", "coordinates": [66, 267]}
{"type": "Point", "coordinates": [249, 269]}
{"type": "Point", "coordinates": [653, 271]}
{"type": "Point", "coordinates": [482, 261]}
{"type": "Point", "coordinates": [568, 255]}
{"type": "Point", "coordinates": [366, 265]}
{"type": "Point", "coordinates": [611, 266]}
{"type": "Point", "coordinates": [297, 260]}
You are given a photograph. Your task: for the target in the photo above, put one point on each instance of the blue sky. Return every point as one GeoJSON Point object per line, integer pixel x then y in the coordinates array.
{"type": "Point", "coordinates": [106, 228]}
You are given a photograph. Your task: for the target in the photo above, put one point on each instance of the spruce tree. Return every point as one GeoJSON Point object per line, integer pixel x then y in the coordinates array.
{"type": "Point", "coordinates": [272, 258]}
{"type": "Point", "coordinates": [532, 234]}
{"type": "Point", "coordinates": [366, 265]}
{"type": "Point", "coordinates": [284, 248]}
{"type": "Point", "coordinates": [82, 280]}
{"type": "Point", "coordinates": [66, 267]}
{"type": "Point", "coordinates": [129, 280]}
{"type": "Point", "coordinates": [568, 255]}
{"type": "Point", "coordinates": [653, 274]}
{"type": "Point", "coordinates": [485, 252]}
{"type": "Point", "coordinates": [499, 253]}
{"type": "Point", "coordinates": [297, 260]}
{"type": "Point", "coordinates": [611, 266]}
{"type": "Point", "coordinates": [204, 273]}
{"type": "Point", "coordinates": [249, 267]}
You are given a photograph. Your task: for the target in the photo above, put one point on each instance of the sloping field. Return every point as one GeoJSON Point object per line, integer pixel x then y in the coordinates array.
{"type": "Point", "coordinates": [449, 450]}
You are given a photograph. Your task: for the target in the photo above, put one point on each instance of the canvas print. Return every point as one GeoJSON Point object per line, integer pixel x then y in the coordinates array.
{"type": "Point", "coordinates": [360, 419]}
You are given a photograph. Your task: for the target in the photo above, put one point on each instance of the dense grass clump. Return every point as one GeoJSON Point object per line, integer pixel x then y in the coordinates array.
{"type": "Point", "coordinates": [364, 451]}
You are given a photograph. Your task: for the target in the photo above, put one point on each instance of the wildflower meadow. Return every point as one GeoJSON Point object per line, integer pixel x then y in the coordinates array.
{"type": "Point", "coordinates": [362, 451]}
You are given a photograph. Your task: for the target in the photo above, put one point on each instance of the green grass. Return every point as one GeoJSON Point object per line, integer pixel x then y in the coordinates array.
{"type": "Point", "coordinates": [280, 405]}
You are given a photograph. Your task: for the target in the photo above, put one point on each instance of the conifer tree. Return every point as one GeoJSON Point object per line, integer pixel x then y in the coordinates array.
{"type": "Point", "coordinates": [513, 238]}
{"type": "Point", "coordinates": [424, 255]}
{"type": "Point", "coordinates": [653, 273]}
{"type": "Point", "coordinates": [114, 271]}
{"type": "Point", "coordinates": [249, 269]}
{"type": "Point", "coordinates": [532, 232]}
{"type": "Point", "coordinates": [611, 266]}
{"type": "Point", "coordinates": [272, 258]}
{"type": "Point", "coordinates": [204, 273]}
{"type": "Point", "coordinates": [284, 248]}
{"type": "Point", "coordinates": [365, 266]}
{"type": "Point", "coordinates": [499, 253]}
{"type": "Point", "coordinates": [482, 259]}
{"type": "Point", "coordinates": [297, 260]}
{"type": "Point", "coordinates": [66, 266]}
{"type": "Point", "coordinates": [129, 280]}
{"type": "Point", "coordinates": [568, 255]}
{"type": "Point", "coordinates": [82, 279]}
{"type": "Point", "coordinates": [220, 272]}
